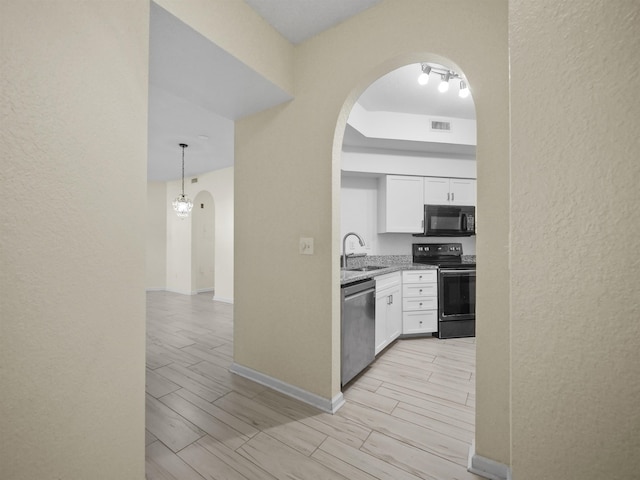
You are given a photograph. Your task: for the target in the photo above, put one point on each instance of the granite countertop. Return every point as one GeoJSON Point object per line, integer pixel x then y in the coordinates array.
{"type": "Point", "coordinates": [392, 263]}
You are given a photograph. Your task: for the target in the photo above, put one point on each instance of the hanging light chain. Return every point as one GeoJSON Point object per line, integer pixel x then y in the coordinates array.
{"type": "Point", "coordinates": [183, 145]}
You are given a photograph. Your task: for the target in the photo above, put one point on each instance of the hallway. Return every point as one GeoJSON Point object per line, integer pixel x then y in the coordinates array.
{"type": "Point", "coordinates": [409, 416]}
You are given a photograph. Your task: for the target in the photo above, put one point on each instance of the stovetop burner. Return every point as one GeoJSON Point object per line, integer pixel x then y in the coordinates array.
{"type": "Point", "coordinates": [444, 255]}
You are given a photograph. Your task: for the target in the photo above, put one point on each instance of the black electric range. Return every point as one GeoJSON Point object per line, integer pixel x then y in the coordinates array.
{"type": "Point", "coordinates": [456, 287]}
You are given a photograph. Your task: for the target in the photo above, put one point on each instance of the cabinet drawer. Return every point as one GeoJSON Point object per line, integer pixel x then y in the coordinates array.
{"type": "Point", "coordinates": [419, 322]}
{"type": "Point", "coordinates": [420, 290]}
{"type": "Point", "coordinates": [387, 280]}
{"type": "Point", "coordinates": [420, 276]}
{"type": "Point", "coordinates": [420, 303]}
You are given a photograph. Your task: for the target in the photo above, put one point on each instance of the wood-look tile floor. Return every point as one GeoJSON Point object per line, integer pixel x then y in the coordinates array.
{"type": "Point", "coordinates": [409, 416]}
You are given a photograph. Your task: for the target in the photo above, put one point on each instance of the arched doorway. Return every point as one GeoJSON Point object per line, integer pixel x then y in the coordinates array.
{"type": "Point", "coordinates": [403, 124]}
{"type": "Point", "coordinates": [381, 141]}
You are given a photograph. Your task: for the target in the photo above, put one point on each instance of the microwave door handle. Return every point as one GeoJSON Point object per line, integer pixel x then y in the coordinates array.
{"type": "Point", "coordinates": [463, 222]}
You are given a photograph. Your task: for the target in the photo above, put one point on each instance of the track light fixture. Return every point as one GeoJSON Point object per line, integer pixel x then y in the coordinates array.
{"type": "Point", "coordinates": [423, 79]}
{"type": "Point", "coordinates": [445, 76]}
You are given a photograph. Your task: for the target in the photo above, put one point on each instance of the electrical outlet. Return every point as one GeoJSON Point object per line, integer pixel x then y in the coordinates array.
{"type": "Point", "coordinates": [306, 246]}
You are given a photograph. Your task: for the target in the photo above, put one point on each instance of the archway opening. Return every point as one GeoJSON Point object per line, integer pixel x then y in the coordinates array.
{"type": "Point", "coordinates": [393, 124]}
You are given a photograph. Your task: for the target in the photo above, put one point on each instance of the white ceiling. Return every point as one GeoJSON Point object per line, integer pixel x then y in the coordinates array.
{"type": "Point", "coordinates": [399, 91]}
{"type": "Point", "coordinates": [298, 20]}
{"type": "Point", "coordinates": [197, 90]}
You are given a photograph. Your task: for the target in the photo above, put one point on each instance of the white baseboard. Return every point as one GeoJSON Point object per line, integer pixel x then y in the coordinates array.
{"type": "Point", "coordinates": [326, 405]}
{"type": "Point", "coordinates": [222, 299]}
{"type": "Point", "coordinates": [181, 292]}
{"type": "Point", "coordinates": [485, 467]}
{"type": "Point", "coordinates": [155, 289]}
{"type": "Point", "coordinates": [204, 290]}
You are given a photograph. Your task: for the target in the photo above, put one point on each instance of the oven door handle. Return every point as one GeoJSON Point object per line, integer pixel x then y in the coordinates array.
{"type": "Point", "coordinates": [471, 272]}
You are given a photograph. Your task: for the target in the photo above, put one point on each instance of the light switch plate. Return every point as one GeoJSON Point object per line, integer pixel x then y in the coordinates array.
{"type": "Point", "coordinates": [306, 246]}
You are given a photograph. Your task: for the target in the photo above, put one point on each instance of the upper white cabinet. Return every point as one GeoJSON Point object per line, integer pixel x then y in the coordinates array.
{"type": "Point", "coordinates": [400, 204]}
{"type": "Point", "coordinates": [449, 191]}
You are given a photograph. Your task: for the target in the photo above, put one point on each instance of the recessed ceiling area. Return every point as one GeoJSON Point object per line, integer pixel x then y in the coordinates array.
{"type": "Point", "coordinates": [399, 91]}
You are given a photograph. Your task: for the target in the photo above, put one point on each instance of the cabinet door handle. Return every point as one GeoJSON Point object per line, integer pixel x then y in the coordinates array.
{"type": "Point", "coordinates": [390, 299]}
{"type": "Point", "coordinates": [448, 196]}
{"type": "Point", "coordinates": [452, 196]}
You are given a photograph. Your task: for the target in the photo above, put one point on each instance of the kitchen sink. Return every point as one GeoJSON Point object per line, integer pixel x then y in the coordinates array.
{"type": "Point", "coordinates": [367, 268]}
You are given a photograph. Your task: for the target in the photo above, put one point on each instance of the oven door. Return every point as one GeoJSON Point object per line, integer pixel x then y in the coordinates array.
{"type": "Point", "coordinates": [456, 303]}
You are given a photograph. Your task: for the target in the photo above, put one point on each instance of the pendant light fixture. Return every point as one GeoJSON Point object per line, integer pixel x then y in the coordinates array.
{"type": "Point", "coordinates": [182, 205]}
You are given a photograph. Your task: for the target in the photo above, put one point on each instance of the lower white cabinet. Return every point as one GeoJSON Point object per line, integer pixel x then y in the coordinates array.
{"type": "Point", "coordinates": [419, 301]}
{"type": "Point", "coordinates": [388, 309]}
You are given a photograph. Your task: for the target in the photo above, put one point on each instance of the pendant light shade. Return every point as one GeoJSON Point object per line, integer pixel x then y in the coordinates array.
{"type": "Point", "coordinates": [182, 205]}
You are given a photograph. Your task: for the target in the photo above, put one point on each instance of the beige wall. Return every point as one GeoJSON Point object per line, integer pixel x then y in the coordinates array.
{"type": "Point", "coordinates": [575, 280]}
{"type": "Point", "coordinates": [287, 186]}
{"type": "Point", "coordinates": [74, 117]}
{"type": "Point", "coordinates": [203, 241]}
{"type": "Point", "coordinates": [156, 246]}
{"type": "Point", "coordinates": [72, 357]}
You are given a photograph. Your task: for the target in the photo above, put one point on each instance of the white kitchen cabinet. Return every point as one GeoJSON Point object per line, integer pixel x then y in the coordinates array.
{"type": "Point", "coordinates": [449, 191]}
{"type": "Point", "coordinates": [388, 310]}
{"type": "Point", "coordinates": [400, 204]}
{"type": "Point", "coordinates": [419, 302]}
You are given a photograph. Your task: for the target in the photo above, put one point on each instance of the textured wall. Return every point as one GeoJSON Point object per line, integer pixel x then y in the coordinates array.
{"type": "Point", "coordinates": [203, 241]}
{"type": "Point", "coordinates": [288, 185]}
{"type": "Point", "coordinates": [156, 246]}
{"type": "Point", "coordinates": [74, 118]}
{"type": "Point", "coordinates": [575, 273]}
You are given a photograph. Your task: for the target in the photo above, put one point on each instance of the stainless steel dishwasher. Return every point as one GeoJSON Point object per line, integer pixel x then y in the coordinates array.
{"type": "Point", "coordinates": [358, 328]}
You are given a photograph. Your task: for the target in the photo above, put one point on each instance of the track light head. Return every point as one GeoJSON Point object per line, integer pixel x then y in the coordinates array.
{"type": "Point", "coordinates": [464, 90]}
{"type": "Point", "coordinates": [423, 79]}
{"type": "Point", "coordinates": [444, 83]}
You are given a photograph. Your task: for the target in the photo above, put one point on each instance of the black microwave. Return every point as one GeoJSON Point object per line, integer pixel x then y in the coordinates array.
{"type": "Point", "coordinates": [449, 221]}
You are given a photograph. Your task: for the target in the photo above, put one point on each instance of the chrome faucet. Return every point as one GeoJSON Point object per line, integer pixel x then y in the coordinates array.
{"type": "Point", "coordinates": [344, 247]}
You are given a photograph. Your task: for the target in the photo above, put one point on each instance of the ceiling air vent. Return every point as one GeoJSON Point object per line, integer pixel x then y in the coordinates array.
{"type": "Point", "coordinates": [439, 126]}
{"type": "Point", "coordinates": [194, 180]}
